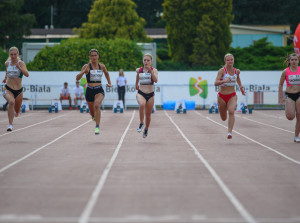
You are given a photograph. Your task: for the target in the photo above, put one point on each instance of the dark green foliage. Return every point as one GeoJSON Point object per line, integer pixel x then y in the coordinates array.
{"type": "Point", "coordinates": [3, 58]}
{"type": "Point", "coordinates": [198, 31]}
{"type": "Point", "coordinates": [266, 12]}
{"type": "Point", "coordinates": [262, 55]}
{"type": "Point", "coordinates": [72, 54]}
{"type": "Point", "coordinates": [114, 19]}
{"type": "Point", "coordinates": [13, 24]}
{"type": "Point", "coordinates": [151, 11]}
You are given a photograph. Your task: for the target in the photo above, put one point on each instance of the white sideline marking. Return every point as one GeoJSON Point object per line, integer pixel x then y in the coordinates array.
{"type": "Point", "coordinates": [48, 120]}
{"type": "Point", "coordinates": [85, 216]}
{"type": "Point", "coordinates": [267, 147]}
{"type": "Point", "coordinates": [275, 127]}
{"type": "Point", "coordinates": [239, 207]}
{"type": "Point", "coordinates": [40, 148]}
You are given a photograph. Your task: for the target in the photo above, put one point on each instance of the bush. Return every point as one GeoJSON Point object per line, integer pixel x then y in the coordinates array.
{"type": "Point", "coordinates": [3, 58]}
{"type": "Point", "coordinates": [72, 54]}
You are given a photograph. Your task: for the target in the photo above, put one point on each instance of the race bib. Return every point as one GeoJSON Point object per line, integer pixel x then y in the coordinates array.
{"type": "Point", "coordinates": [294, 79]}
{"type": "Point", "coordinates": [96, 75]}
{"type": "Point", "coordinates": [145, 78]}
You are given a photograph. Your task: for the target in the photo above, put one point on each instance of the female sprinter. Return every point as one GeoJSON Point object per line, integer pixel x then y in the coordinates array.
{"type": "Point", "coordinates": [227, 78]}
{"type": "Point", "coordinates": [145, 78]}
{"type": "Point", "coordinates": [13, 90]}
{"type": "Point", "coordinates": [292, 93]}
{"type": "Point", "coordinates": [94, 92]}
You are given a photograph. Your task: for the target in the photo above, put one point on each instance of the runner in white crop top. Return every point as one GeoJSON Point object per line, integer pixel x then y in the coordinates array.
{"type": "Point", "coordinates": [13, 90]}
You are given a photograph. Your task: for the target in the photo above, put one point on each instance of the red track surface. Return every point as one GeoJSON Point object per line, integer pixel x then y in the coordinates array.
{"type": "Point", "coordinates": [54, 169]}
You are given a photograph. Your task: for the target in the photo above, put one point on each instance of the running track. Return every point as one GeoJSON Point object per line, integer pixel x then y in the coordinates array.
{"type": "Point", "coordinates": [54, 169]}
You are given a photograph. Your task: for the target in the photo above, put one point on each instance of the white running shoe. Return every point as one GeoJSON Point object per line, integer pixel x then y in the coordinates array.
{"type": "Point", "coordinates": [297, 140]}
{"type": "Point", "coordinates": [9, 128]}
{"type": "Point", "coordinates": [140, 128]}
{"type": "Point", "coordinates": [229, 135]}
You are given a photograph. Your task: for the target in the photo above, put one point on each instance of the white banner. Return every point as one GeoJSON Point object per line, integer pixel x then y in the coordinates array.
{"type": "Point", "coordinates": [198, 86]}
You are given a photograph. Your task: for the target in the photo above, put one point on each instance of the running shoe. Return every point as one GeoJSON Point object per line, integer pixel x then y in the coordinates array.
{"type": "Point", "coordinates": [10, 128]}
{"type": "Point", "coordinates": [97, 131]}
{"type": "Point", "coordinates": [93, 118]}
{"type": "Point", "coordinates": [229, 135]}
{"type": "Point", "coordinates": [17, 114]}
{"type": "Point", "coordinates": [296, 139]}
{"type": "Point", "coordinates": [145, 134]}
{"type": "Point", "coordinates": [140, 128]}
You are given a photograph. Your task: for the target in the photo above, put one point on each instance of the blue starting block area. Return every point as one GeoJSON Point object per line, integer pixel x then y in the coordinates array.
{"type": "Point", "coordinates": [213, 108]}
{"type": "Point", "coordinates": [55, 106]}
{"type": "Point", "coordinates": [84, 107]}
{"type": "Point", "coordinates": [180, 107]}
{"type": "Point", "coordinates": [118, 106]}
{"type": "Point", "coordinates": [242, 107]}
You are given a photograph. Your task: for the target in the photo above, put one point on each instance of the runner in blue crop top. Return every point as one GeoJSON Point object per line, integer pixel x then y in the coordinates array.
{"type": "Point", "coordinates": [13, 90]}
{"type": "Point", "coordinates": [145, 78]}
{"type": "Point", "coordinates": [94, 92]}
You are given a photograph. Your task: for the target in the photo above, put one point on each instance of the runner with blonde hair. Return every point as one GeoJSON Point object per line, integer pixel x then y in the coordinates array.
{"type": "Point", "coordinates": [227, 78]}
{"type": "Point", "coordinates": [13, 90]}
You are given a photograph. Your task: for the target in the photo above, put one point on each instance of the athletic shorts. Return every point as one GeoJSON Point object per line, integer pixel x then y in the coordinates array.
{"type": "Point", "coordinates": [92, 91]}
{"type": "Point", "coordinates": [226, 97]}
{"type": "Point", "coordinates": [14, 92]}
{"type": "Point", "coordinates": [294, 96]}
{"type": "Point", "coordinates": [146, 96]}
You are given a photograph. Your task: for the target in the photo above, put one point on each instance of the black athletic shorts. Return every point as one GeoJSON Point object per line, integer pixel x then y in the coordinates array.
{"type": "Point", "coordinates": [92, 91]}
{"type": "Point", "coordinates": [294, 97]}
{"type": "Point", "coordinates": [146, 96]}
{"type": "Point", "coordinates": [14, 92]}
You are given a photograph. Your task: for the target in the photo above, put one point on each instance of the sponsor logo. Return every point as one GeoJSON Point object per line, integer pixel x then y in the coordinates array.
{"type": "Point", "coordinates": [198, 86]}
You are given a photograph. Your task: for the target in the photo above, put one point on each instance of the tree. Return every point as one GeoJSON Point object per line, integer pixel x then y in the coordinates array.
{"type": "Point", "coordinates": [114, 19]}
{"type": "Point", "coordinates": [13, 25]}
{"type": "Point", "coordinates": [213, 33]}
{"type": "Point", "coordinates": [198, 31]}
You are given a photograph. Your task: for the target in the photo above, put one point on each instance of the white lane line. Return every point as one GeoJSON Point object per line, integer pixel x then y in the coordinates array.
{"type": "Point", "coordinates": [85, 216]}
{"type": "Point", "coordinates": [48, 120]}
{"type": "Point", "coordinates": [236, 203]}
{"type": "Point", "coordinates": [267, 147]}
{"type": "Point", "coordinates": [275, 127]}
{"type": "Point", "coordinates": [40, 148]}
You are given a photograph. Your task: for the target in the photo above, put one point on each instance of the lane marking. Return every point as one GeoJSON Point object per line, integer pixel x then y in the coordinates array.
{"type": "Point", "coordinates": [267, 147]}
{"type": "Point", "coordinates": [85, 216]}
{"type": "Point", "coordinates": [48, 120]}
{"type": "Point", "coordinates": [275, 127]}
{"type": "Point", "coordinates": [238, 206]}
{"type": "Point", "coordinates": [40, 148]}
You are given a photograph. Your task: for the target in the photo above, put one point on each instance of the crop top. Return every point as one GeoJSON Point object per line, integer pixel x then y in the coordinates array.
{"type": "Point", "coordinates": [13, 71]}
{"type": "Point", "coordinates": [292, 78]}
{"type": "Point", "coordinates": [94, 76]}
{"type": "Point", "coordinates": [232, 82]}
{"type": "Point", "coordinates": [145, 78]}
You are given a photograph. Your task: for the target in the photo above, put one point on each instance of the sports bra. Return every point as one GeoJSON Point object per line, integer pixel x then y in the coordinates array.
{"type": "Point", "coordinates": [232, 82]}
{"type": "Point", "coordinates": [292, 78]}
{"type": "Point", "coordinates": [13, 71]}
{"type": "Point", "coordinates": [94, 76]}
{"type": "Point", "coordinates": [145, 78]}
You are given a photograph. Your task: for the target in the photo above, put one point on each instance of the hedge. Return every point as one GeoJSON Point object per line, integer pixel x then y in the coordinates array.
{"type": "Point", "coordinates": [72, 54]}
{"type": "Point", "coordinates": [3, 58]}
